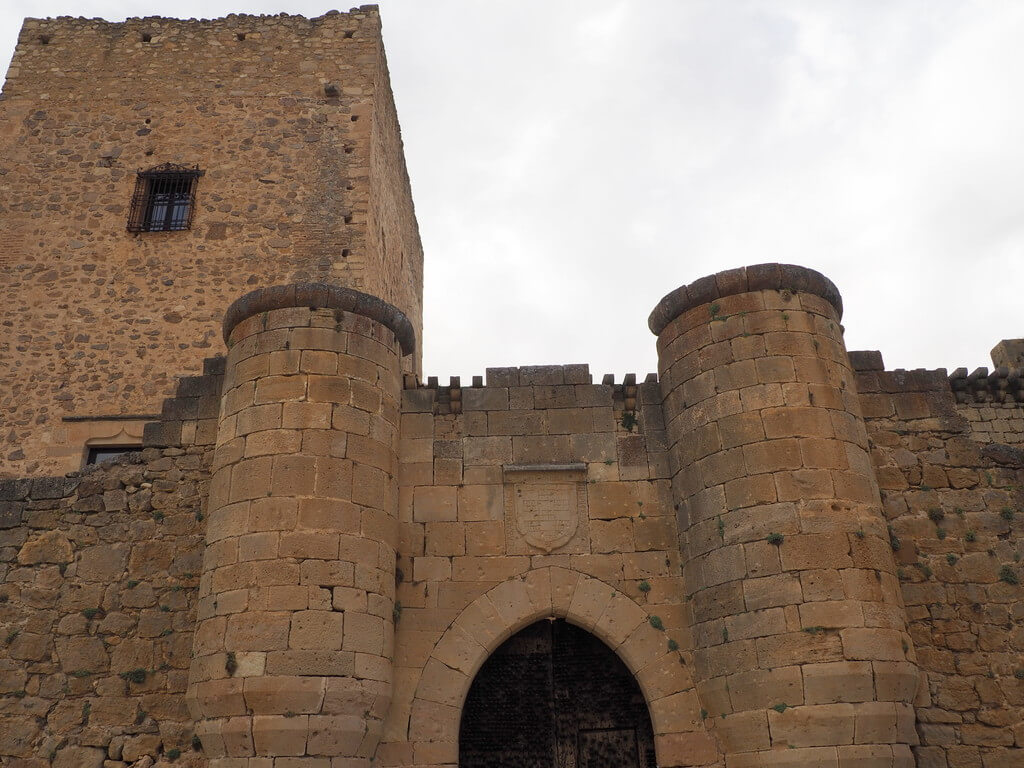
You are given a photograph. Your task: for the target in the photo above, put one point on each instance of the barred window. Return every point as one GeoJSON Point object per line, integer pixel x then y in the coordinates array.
{"type": "Point", "coordinates": [164, 199]}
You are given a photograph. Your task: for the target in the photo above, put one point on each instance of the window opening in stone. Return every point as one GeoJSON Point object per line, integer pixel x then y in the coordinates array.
{"type": "Point", "coordinates": [146, 37]}
{"type": "Point", "coordinates": [100, 453]}
{"type": "Point", "coordinates": [44, 39]}
{"type": "Point", "coordinates": [554, 695]}
{"type": "Point", "coordinates": [164, 199]}
{"type": "Point", "coordinates": [240, 36]}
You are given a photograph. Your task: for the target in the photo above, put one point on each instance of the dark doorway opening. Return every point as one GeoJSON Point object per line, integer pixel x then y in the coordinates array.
{"type": "Point", "coordinates": [554, 696]}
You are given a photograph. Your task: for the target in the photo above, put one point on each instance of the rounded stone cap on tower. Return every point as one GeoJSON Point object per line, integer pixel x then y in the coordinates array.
{"type": "Point", "coordinates": [759, 277]}
{"type": "Point", "coordinates": [322, 296]}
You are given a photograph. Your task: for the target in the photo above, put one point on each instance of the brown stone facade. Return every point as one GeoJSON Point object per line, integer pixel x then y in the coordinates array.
{"type": "Point", "coordinates": [293, 124]}
{"type": "Point", "coordinates": [800, 558]}
{"type": "Point", "coordinates": [316, 556]}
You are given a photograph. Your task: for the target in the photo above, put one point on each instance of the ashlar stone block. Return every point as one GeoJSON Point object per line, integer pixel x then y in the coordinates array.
{"type": "Point", "coordinates": [316, 630]}
{"type": "Point", "coordinates": [335, 734]}
{"type": "Point", "coordinates": [269, 694]}
{"type": "Point", "coordinates": [841, 681]}
{"type": "Point", "coordinates": [280, 735]}
{"type": "Point", "coordinates": [812, 726]}
{"type": "Point", "coordinates": [764, 688]}
{"type": "Point", "coordinates": [435, 504]}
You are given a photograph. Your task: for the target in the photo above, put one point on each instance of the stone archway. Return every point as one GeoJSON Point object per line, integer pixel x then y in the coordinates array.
{"type": "Point", "coordinates": [594, 605]}
{"type": "Point", "coordinates": [555, 695]}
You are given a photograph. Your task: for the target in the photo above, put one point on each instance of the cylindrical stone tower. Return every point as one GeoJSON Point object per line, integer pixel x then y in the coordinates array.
{"type": "Point", "coordinates": [293, 647]}
{"type": "Point", "coordinates": [801, 653]}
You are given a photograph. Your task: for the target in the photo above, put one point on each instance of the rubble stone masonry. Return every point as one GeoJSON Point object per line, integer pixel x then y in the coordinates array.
{"type": "Point", "coordinates": [292, 122]}
{"type": "Point", "coordinates": [803, 560]}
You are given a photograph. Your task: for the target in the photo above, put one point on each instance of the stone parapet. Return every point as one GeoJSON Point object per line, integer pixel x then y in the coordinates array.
{"type": "Point", "coordinates": [1008, 353]}
{"type": "Point", "coordinates": [321, 296]}
{"type": "Point", "coordinates": [83, 46]}
{"type": "Point", "coordinates": [1003, 385]}
{"type": "Point", "coordinates": [732, 282]}
{"type": "Point", "coordinates": [800, 638]}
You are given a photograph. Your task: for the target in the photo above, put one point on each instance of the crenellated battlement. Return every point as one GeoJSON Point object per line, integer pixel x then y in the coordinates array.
{"type": "Point", "coordinates": [559, 386]}
{"type": "Point", "coordinates": [986, 406]}
{"type": "Point", "coordinates": [1003, 385]}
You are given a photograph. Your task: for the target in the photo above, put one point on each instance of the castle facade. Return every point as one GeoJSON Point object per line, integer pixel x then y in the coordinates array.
{"type": "Point", "coordinates": [238, 529]}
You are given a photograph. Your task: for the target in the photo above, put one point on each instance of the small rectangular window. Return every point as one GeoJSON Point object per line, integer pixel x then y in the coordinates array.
{"type": "Point", "coordinates": [100, 453]}
{"type": "Point", "coordinates": [164, 199]}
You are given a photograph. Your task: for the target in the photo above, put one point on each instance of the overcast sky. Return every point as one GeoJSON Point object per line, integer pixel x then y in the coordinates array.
{"type": "Point", "coordinates": [572, 162]}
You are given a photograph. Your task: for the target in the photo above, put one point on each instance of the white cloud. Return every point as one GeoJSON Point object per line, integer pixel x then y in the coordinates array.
{"type": "Point", "coordinates": [573, 163]}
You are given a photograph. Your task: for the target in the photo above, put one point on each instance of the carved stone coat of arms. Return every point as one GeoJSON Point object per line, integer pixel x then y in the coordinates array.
{"type": "Point", "coordinates": [546, 507]}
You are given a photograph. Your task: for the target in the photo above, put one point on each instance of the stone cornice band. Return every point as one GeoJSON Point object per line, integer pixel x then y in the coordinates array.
{"type": "Point", "coordinates": [322, 296]}
{"type": "Point", "coordinates": [760, 277]}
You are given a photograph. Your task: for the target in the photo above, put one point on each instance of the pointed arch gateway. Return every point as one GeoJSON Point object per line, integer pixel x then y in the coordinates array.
{"type": "Point", "coordinates": [593, 605]}
{"type": "Point", "coordinates": [555, 695]}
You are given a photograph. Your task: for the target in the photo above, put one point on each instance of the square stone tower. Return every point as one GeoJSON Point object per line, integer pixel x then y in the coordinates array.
{"type": "Point", "coordinates": [154, 170]}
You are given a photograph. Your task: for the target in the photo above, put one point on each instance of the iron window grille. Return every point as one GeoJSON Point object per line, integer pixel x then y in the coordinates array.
{"type": "Point", "coordinates": [164, 199]}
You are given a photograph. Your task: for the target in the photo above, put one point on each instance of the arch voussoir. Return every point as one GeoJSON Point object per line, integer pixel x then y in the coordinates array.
{"type": "Point", "coordinates": [480, 621]}
{"type": "Point", "coordinates": [618, 620]}
{"type": "Point", "coordinates": [590, 603]}
{"type": "Point", "coordinates": [664, 676]}
{"type": "Point", "coordinates": [459, 650]}
{"type": "Point", "coordinates": [443, 684]}
{"type": "Point", "coordinates": [589, 600]}
{"type": "Point", "coordinates": [513, 600]}
{"type": "Point", "coordinates": [644, 646]}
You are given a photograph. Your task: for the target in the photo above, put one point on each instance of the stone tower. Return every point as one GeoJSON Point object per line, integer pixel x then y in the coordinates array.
{"type": "Point", "coordinates": [286, 133]}
{"type": "Point", "coordinates": [780, 523]}
{"type": "Point", "coordinates": [296, 604]}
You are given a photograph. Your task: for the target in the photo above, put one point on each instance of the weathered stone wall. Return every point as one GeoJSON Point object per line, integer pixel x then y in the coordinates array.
{"type": "Point", "coordinates": [953, 501]}
{"type": "Point", "coordinates": [98, 578]}
{"type": "Point", "coordinates": [475, 564]}
{"type": "Point", "coordinates": [995, 422]}
{"type": "Point", "coordinates": [100, 570]}
{"type": "Point", "coordinates": [281, 112]}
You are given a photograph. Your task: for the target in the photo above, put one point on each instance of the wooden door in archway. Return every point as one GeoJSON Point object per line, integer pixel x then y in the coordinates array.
{"type": "Point", "coordinates": [554, 696]}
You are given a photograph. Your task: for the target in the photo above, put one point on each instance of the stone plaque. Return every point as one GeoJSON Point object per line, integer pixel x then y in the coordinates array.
{"type": "Point", "coordinates": [545, 508]}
